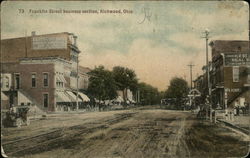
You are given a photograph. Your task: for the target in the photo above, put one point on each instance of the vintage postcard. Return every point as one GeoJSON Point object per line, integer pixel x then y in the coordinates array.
{"type": "Point", "coordinates": [125, 79]}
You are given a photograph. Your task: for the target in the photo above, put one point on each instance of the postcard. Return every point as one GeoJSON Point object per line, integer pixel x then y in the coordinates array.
{"type": "Point", "coordinates": [125, 79]}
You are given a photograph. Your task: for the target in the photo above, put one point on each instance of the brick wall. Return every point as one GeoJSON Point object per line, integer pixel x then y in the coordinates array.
{"type": "Point", "coordinates": [234, 86]}
{"type": "Point", "coordinates": [25, 71]}
{"type": "Point", "coordinates": [221, 46]}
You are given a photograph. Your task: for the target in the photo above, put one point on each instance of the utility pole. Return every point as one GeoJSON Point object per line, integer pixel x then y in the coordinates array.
{"type": "Point", "coordinates": [77, 76]}
{"type": "Point", "coordinates": [207, 71]}
{"type": "Point", "coordinates": [191, 77]}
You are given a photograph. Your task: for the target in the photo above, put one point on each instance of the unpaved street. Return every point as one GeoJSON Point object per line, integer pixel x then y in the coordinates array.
{"type": "Point", "coordinates": [139, 133]}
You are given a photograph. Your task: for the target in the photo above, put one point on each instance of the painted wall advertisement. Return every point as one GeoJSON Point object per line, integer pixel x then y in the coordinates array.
{"type": "Point", "coordinates": [237, 59]}
{"type": "Point", "coordinates": [45, 43]}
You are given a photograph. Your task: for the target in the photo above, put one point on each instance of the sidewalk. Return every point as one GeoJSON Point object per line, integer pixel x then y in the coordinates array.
{"type": "Point", "coordinates": [241, 123]}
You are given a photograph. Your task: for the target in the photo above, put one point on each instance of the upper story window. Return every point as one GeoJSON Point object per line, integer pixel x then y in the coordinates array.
{"type": "Point", "coordinates": [239, 48]}
{"type": "Point", "coordinates": [60, 80]}
{"type": "Point", "coordinates": [17, 81]}
{"type": "Point", "coordinates": [45, 79]}
{"type": "Point", "coordinates": [236, 74]}
{"type": "Point", "coordinates": [33, 80]}
{"type": "Point", "coordinates": [5, 82]}
{"type": "Point", "coordinates": [248, 75]}
{"type": "Point", "coordinates": [74, 56]}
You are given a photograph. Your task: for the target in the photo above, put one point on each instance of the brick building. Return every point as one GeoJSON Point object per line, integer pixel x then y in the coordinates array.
{"type": "Point", "coordinates": [62, 45]}
{"type": "Point", "coordinates": [39, 81]}
{"type": "Point", "coordinates": [230, 75]}
{"type": "Point", "coordinates": [43, 70]}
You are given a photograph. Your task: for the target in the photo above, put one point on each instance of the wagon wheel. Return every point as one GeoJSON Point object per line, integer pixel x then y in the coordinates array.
{"type": "Point", "coordinates": [18, 122]}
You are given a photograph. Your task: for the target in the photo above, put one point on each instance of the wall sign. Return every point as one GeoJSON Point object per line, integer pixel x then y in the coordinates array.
{"type": "Point", "coordinates": [237, 59]}
{"type": "Point", "coordinates": [233, 90]}
{"type": "Point", "coordinates": [46, 42]}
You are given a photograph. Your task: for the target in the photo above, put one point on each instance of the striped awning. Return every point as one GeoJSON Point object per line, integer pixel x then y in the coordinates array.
{"type": "Point", "coordinates": [3, 96]}
{"type": "Point", "coordinates": [72, 96]}
{"type": "Point", "coordinates": [62, 97]}
{"type": "Point", "coordinates": [118, 99]}
{"type": "Point", "coordinates": [84, 97]}
{"type": "Point", "coordinates": [60, 78]}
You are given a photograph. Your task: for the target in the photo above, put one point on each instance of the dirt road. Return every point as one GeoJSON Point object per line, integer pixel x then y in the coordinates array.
{"type": "Point", "coordinates": [141, 133]}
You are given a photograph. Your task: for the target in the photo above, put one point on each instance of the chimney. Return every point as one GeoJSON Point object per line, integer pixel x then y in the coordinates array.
{"type": "Point", "coordinates": [75, 37]}
{"type": "Point", "coordinates": [33, 33]}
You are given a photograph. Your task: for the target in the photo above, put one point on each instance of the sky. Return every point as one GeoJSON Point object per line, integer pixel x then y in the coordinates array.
{"type": "Point", "coordinates": [157, 40]}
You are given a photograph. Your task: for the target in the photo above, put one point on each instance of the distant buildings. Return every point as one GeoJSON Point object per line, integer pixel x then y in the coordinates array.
{"type": "Point", "coordinates": [229, 74]}
{"type": "Point", "coordinates": [41, 70]}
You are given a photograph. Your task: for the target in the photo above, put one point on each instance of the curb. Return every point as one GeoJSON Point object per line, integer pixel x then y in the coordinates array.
{"type": "Point", "coordinates": [235, 127]}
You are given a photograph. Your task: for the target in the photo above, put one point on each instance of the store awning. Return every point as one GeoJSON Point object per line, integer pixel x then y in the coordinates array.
{"type": "Point", "coordinates": [98, 101]}
{"type": "Point", "coordinates": [60, 78]}
{"type": "Point", "coordinates": [62, 97]}
{"type": "Point", "coordinates": [84, 97]}
{"type": "Point", "coordinates": [73, 96]}
{"type": "Point", "coordinates": [131, 100]}
{"type": "Point", "coordinates": [118, 99]}
{"type": "Point", "coordinates": [3, 96]}
{"type": "Point", "coordinates": [63, 79]}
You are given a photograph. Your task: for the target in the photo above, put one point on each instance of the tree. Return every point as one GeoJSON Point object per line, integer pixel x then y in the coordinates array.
{"type": "Point", "coordinates": [178, 90]}
{"type": "Point", "coordinates": [125, 78]}
{"type": "Point", "coordinates": [148, 94]}
{"type": "Point", "coordinates": [102, 84]}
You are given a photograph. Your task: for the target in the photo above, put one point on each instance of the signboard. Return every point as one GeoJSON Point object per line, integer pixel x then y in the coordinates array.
{"type": "Point", "coordinates": [194, 93]}
{"type": "Point", "coordinates": [237, 59]}
{"type": "Point", "coordinates": [46, 42]}
{"type": "Point", "coordinates": [233, 90]}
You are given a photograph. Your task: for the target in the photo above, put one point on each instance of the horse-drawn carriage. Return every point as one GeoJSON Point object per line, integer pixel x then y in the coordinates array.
{"type": "Point", "coordinates": [16, 116]}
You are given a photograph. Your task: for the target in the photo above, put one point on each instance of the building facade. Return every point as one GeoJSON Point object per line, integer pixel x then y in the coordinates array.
{"type": "Point", "coordinates": [230, 75]}
{"type": "Point", "coordinates": [42, 70]}
{"type": "Point", "coordinates": [37, 81]}
{"type": "Point", "coordinates": [62, 45]}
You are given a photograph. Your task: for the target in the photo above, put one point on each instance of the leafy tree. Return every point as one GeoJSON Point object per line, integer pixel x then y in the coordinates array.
{"type": "Point", "coordinates": [148, 94]}
{"type": "Point", "coordinates": [125, 78]}
{"type": "Point", "coordinates": [102, 84]}
{"type": "Point", "coordinates": [178, 89]}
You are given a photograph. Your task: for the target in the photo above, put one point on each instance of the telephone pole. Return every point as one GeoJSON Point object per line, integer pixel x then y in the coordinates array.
{"type": "Point", "coordinates": [208, 75]}
{"type": "Point", "coordinates": [191, 77]}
